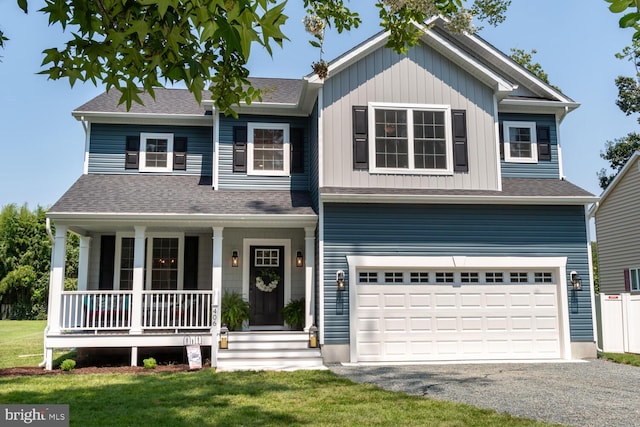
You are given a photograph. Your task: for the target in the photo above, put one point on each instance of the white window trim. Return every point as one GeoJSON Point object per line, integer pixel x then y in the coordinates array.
{"type": "Point", "coordinates": [411, 170]}
{"type": "Point", "coordinates": [507, 143]}
{"type": "Point", "coordinates": [143, 152]}
{"type": "Point", "coordinates": [286, 147]}
{"type": "Point", "coordinates": [117, 262]}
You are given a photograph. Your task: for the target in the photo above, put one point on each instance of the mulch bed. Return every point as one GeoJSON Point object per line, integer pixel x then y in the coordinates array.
{"type": "Point", "coordinates": [138, 370]}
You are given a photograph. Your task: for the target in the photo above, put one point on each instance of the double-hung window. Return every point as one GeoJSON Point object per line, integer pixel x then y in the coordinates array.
{"type": "Point", "coordinates": [268, 150]}
{"type": "Point", "coordinates": [156, 152]}
{"type": "Point", "coordinates": [520, 142]}
{"type": "Point", "coordinates": [410, 139]}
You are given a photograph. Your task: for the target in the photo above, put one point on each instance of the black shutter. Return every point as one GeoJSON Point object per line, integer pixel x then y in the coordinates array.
{"type": "Point", "coordinates": [360, 138]}
{"type": "Point", "coordinates": [132, 154]}
{"type": "Point", "coordinates": [460, 157]}
{"type": "Point", "coordinates": [180, 153]}
{"type": "Point", "coordinates": [627, 280]}
{"type": "Point", "coordinates": [296, 139]}
{"type": "Point", "coordinates": [240, 149]}
{"type": "Point", "coordinates": [501, 130]}
{"type": "Point", "coordinates": [107, 262]}
{"type": "Point", "coordinates": [191, 262]}
{"type": "Point", "coordinates": [543, 134]}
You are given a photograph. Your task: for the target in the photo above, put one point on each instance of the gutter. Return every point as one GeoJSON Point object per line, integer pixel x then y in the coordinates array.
{"type": "Point", "coordinates": [475, 200]}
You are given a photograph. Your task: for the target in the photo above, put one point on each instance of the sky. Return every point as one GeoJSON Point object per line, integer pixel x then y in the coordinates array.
{"type": "Point", "coordinates": [42, 146]}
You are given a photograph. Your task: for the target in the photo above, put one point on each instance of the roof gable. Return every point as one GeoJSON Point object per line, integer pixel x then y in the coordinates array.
{"type": "Point", "coordinates": [631, 163]}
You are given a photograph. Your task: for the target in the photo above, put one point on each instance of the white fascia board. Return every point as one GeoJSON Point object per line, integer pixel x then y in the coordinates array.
{"type": "Point", "coordinates": [614, 183]}
{"type": "Point", "coordinates": [530, 105]}
{"type": "Point", "coordinates": [185, 220]}
{"type": "Point", "coordinates": [485, 74]}
{"type": "Point", "coordinates": [471, 200]}
{"type": "Point", "coordinates": [351, 56]}
{"type": "Point", "coordinates": [143, 118]}
{"type": "Point", "coordinates": [519, 69]}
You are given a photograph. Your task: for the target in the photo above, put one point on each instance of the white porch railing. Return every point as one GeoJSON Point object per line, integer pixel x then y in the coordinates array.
{"type": "Point", "coordinates": [176, 309]}
{"type": "Point", "coordinates": [113, 310]}
{"type": "Point", "coordinates": [96, 310]}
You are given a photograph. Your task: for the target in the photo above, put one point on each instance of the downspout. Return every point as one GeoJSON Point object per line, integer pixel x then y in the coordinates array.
{"type": "Point", "coordinates": [46, 329]}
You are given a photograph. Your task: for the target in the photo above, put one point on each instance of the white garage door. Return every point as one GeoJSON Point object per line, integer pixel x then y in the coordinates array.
{"type": "Point", "coordinates": [455, 315]}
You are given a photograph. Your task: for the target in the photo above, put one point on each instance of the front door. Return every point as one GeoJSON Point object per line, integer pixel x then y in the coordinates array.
{"type": "Point", "coordinates": [266, 285]}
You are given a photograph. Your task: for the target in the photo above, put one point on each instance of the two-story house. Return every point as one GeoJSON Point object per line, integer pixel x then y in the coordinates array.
{"type": "Point", "coordinates": [417, 203]}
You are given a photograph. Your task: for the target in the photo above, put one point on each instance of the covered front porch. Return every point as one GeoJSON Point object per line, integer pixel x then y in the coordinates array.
{"type": "Point", "coordinates": [159, 280]}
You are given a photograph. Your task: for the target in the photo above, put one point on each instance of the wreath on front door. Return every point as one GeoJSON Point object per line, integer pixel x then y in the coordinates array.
{"type": "Point", "coordinates": [267, 280]}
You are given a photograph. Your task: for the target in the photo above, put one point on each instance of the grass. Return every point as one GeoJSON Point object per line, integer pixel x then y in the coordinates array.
{"type": "Point", "coordinates": [207, 398]}
{"type": "Point", "coordinates": [625, 358]}
{"type": "Point", "coordinates": [21, 343]}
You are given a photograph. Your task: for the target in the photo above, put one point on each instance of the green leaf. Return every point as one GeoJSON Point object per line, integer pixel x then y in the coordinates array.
{"type": "Point", "coordinates": [629, 20]}
{"type": "Point", "coordinates": [620, 5]}
{"type": "Point", "coordinates": [22, 4]}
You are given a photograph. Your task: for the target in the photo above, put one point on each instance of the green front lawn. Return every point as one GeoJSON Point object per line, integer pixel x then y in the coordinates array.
{"type": "Point", "coordinates": [206, 398]}
{"type": "Point", "coordinates": [21, 342]}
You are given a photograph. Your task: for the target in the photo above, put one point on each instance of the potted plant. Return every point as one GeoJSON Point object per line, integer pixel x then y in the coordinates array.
{"type": "Point", "coordinates": [294, 313]}
{"type": "Point", "coordinates": [235, 310]}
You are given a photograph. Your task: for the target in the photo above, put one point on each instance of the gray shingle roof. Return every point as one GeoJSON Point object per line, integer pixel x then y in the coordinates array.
{"type": "Point", "coordinates": [511, 188]}
{"type": "Point", "coordinates": [171, 194]}
{"type": "Point", "coordinates": [182, 102]}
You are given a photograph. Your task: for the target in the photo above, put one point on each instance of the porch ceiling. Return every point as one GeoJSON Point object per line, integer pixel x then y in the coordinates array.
{"type": "Point", "coordinates": [168, 201]}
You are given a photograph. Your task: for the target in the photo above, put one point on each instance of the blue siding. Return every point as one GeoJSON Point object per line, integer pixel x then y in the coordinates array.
{"type": "Point", "coordinates": [542, 169]}
{"type": "Point", "coordinates": [447, 230]}
{"type": "Point", "coordinates": [227, 179]}
{"type": "Point", "coordinates": [107, 147]}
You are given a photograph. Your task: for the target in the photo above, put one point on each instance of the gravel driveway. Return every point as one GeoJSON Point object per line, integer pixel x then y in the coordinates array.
{"type": "Point", "coordinates": [591, 393]}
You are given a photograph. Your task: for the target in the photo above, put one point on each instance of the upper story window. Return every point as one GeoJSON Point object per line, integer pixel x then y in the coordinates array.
{"type": "Point", "coordinates": [410, 139]}
{"type": "Point", "coordinates": [156, 152]}
{"type": "Point", "coordinates": [634, 275]}
{"type": "Point", "coordinates": [268, 151]}
{"type": "Point", "coordinates": [520, 142]}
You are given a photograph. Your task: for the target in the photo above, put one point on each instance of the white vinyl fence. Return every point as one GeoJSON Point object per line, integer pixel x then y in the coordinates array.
{"type": "Point", "coordinates": [620, 323]}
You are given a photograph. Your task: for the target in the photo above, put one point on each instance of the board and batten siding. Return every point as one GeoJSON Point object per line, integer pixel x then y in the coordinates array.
{"type": "Point", "coordinates": [423, 76]}
{"type": "Point", "coordinates": [448, 230]}
{"type": "Point", "coordinates": [544, 168]}
{"type": "Point", "coordinates": [107, 147]}
{"type": "Point", "coordinates": [229, 180]}
{"type": "Point", "coordinates": [618, 231]}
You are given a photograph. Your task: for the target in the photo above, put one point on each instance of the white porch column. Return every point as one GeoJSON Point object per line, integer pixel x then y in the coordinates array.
{"type": "Point", "coordinates": [56, 279]}
{"type": "Point", "coordinates": [83, 262]}
{"type": "Point", "coordinates": [138, 280]}
{"type": "Point", "coordinates": [216, 286]}
{"type": "Point", "coordinates": [309, 291]}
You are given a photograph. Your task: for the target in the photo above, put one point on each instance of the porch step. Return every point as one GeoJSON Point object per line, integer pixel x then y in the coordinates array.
{"type": "Point", "coordinates": [258, 350]}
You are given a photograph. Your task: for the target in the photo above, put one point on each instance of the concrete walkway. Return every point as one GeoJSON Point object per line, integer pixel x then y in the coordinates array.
{"type": "Point", "coordinates": [590, 393]}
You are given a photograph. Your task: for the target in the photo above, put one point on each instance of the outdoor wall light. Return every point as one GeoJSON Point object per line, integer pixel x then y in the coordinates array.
{"type": "Point", "coordinates": [299, 259]}
{"type": "Point", "coordinates": [576, 281]}
{"type": "Point", "coordinates": [234, 259]}
{"type": "Point", "coordinates": [224, 337]}
{"type": "Point", "coordinates": [313, 337]}
{"type": "Point", "coordinates": [340, 280]}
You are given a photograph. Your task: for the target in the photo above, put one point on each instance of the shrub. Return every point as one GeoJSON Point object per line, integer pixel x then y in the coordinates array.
{"type": "Point", "coordinates": [150, 363]}
{"type": "Point", "coordinates": [68, 364]}
{"type": "Point", "coordinates": [235, 310]}
{"type": "Point", "coordinates": [294, 313]}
